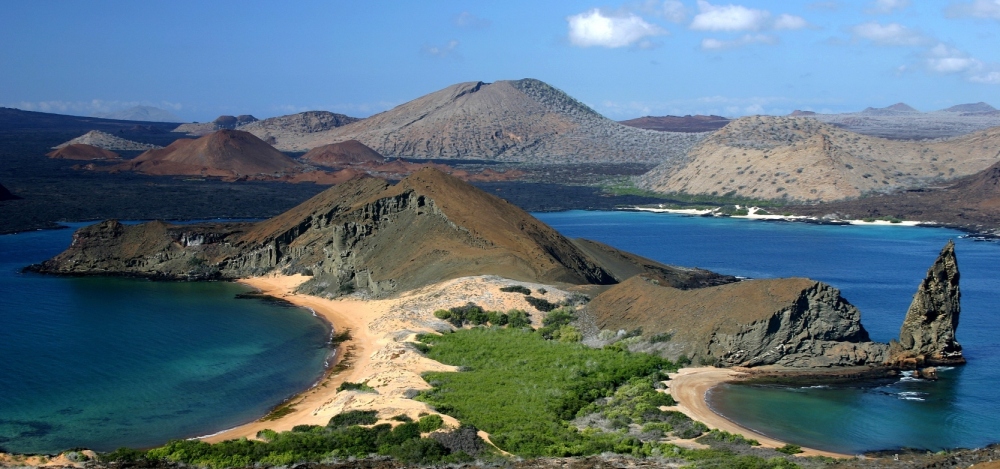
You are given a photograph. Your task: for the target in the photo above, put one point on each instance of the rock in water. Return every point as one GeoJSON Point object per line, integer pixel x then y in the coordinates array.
{"type": "Point", "coordinates": [928, 333]}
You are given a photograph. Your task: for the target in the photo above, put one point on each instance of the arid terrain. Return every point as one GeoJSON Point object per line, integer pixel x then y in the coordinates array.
{"type": "Point", "coordinates": [902, 122]}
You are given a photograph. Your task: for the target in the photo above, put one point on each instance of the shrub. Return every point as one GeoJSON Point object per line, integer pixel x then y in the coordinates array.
{"type": "Point", "coordinates": [401, 418]}
{"type": "Point", "coordinates": [349, 386]}
{"type": "Point", "coordinates": [518, 319]}
{"type": "Point", "coordinates": [353, 417]}
{"type": "Point", "coordinates": [517, 289]}
{"type": "Point", "coordinates": [663, 337]}
{"type": "Point", "coordinates": [540, 304]}
{"type": "Point", "coordinates": [430, 423]}
{"type": "Point", "coordinates": [790, 449]}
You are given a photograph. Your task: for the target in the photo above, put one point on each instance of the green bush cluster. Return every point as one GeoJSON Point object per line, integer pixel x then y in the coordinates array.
{"type": "Point", "coordinates": [726, 437]}
{"type": "Point", "coordinates": [541, 304]}
{"type": "Point", "coordinates": [635, 402]}
{"type": "Point", "coordinates": [790, 449]}
{"type": "Point", "coordinates": [516, 289]}
{"type": "Point", "coordinates": [557, 323]}
{"type": "Point", "coordinates": [477, 316]}
{"type": "Point", "coordinates": [349, 386]}
{"type": "Point", "coordinates": [306, 443]}
{"type": "Point", "coordinates": [523, 389]}
{"type": "Point", "coordinates": [353, 417]}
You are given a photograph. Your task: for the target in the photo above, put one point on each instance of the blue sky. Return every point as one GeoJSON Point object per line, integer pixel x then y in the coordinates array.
{"type": "Point", "coordinates": [625, 59]}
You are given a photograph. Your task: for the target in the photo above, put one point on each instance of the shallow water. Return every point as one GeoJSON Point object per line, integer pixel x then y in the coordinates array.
{"type": "Point", "coordinates": [109, 362]}
{"type": "Point", "coordinates": [877, 268]}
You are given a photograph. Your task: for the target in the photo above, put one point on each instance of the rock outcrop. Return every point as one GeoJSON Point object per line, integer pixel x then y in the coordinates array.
{"type": "Point", "coordinates": [794, 323]}
{"type": "Point", "coordinates": [5, 194]}
{"type": "Point", "coordinates": [296, 126]}
{"type": "Point", "coordinates": [927, 337]}
{"type": "Point", "coordinates": [232, 122]}
{"type": "Point", "coordinates": [108, 142]}
{"type": "Point", "coordinates": [82, 151]}
{"type": "Point", "coordinates": [364, 234]}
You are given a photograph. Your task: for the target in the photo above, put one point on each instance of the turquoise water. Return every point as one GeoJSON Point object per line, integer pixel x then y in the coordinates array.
{"type": "Point", "coordinates": [109, 362]}
{"type": "Point", "coordinates": [877, 268]}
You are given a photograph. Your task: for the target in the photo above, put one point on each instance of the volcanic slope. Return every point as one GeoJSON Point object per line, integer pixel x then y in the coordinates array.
{"type": "Point", "coordinates": [518, 121]}
{"type": "Point", "coordinates": [107, 141]}
{"type": "Point", "coordinates": [343, 153]}
{"type": "Point", "coordinates": [797, 159]}
{"type": "Point", "coordinates": [224, 153]}
{"type": "Point", "coordinates": [82, 151]}
{"type": "Point", "coordinates": [368, 235]}
{"type": "Point", "coordinates": [696, 123]}
{"type": "Point", "coordinates": [903, 122]}
{"type": "Point", "coordinates": [296, 126]}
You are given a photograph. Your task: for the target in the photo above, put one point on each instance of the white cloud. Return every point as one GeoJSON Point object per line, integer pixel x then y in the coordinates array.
{"type": "Point", "coordinates": [944, 59]}
{"type": "Point", "coordinates": [892, 34]}
{"type": "Point", "coordinates": [596, 28]}
{"type": "Point", "coordinates": [988, 78]}
{"type": "Point", "coordinates": [728, 18]}
{"type": "Point", "coordinates": [884, 7]}
{"type": "Point", "coordinates": [674, 11]}
{"type": "Point", "coordinates": [987, 9]}
{"type": "Point", "coordinates": [786, 21]}
{"type": "Point", "coordinates": [470, 21]}
{"type": "Point", "coordinates": [449, 50]}
{"type": "Point", "coordinates": [716, 44]}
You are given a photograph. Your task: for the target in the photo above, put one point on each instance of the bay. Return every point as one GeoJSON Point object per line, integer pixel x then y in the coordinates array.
{"type": "Point", "coordinates": [878, 269]}
{"type": "Point", "coordinates": [101, 362]}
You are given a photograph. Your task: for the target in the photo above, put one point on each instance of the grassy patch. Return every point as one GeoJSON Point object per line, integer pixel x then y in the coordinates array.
{"type": "Point", "coordinates": [523, 389]}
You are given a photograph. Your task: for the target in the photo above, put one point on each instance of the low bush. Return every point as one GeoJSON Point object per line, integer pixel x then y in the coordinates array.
{"type": "Point", "coordinates": [349, 386]}
{"type": "Point", "coordinates": [790, 449]}
{"type": "Point", "coordinates": [353, 417]}
{"type": "Point", "coordinates": [540, 304]}
{"type": "Point", "coordinates": [516, 289]}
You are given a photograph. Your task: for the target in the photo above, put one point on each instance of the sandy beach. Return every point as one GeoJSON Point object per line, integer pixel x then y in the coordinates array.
{"type": "Point", "coordinates": [378, 352]}
{"type": "Point", "coordinates": [689, 387]}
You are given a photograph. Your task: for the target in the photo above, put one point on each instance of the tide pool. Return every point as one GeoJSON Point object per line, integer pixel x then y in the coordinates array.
{"type": "Point", "coordinates": [103, 362]}
{"type": "Point", "coordinates": [878, 269]}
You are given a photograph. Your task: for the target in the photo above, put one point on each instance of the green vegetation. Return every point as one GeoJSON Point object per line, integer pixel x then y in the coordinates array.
{"type": "Point", "coordinates": [541, 304]}
{"type": "Point", "coordinates": [726, 437]}
{"type": "Point", "coordinates": [523, 389]}
{"type": "Point", "coordinates": [474, 315]}
{"type": "Point", "coordinates": [349, 386]}
{"type": "Point", "coordinates": [354, 417]}
{"type": "Point", "coordinates": [790, 449]}
{"type": "Point", "coordinates": [306, 443]}
{"type": "Point", "coordinates": [682, 200]}
{"type": "Point", "coordinates": [889, 219]}
{"type": "Point", "coordinates": [429, 423]}
{"type": "Point", "coordinates": [516, 289]}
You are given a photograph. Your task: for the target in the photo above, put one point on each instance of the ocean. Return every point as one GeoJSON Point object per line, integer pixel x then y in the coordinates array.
{"type": "Point", "coordinates": [108, 362]}
{"type": "Point", "coordinates": [878, 269]}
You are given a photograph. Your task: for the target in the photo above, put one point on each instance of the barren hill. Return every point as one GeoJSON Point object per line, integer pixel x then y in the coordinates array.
{"type": "Point", "coordinates": [524, 120]}
{"type": "Point", "coordinates": [82, 151]}
{"type": "Point", "coordinates": [225, 153]}
{"type": "Point", "coordinates": [972, 202]}
{"type": "Point", "coordinates": [799, 159]}
{"type": "Point", "coordinates": [697, 123]}
{"type": "Point", "coordinates": [296, 126]}
{"type": "Point", "coordinates": [895, 109]}
{"type": "Point", "coordinates": [108, 142]}
{"type": "Point", "coordinates": [902, 122]}
{"type": "Point", "coordinates": [363, 234]}
{"type": "Point", "coordinates": [971, 107]}
{"type": "Point", "coordinates": [343, 153]}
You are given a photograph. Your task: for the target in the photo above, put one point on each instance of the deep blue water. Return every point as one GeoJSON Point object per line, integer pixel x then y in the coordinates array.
{"type": "Point", "coordinates": [878, 270]}
{"type": "Point", "coordinates": [109, 362]}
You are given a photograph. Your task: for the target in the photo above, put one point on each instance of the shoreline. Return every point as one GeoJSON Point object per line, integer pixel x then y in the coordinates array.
{"type": "Point", "coordinates": [690, 387]}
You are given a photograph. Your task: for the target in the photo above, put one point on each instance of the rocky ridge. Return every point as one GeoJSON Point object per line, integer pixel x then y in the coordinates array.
{"type": "Point", "coordinates": [902, 122]}
{"type": "Point", "coordinates": [518, 121]}
{"type": "Point", "coordinates": [108, 142]}
{"type": "Point", "coordinates": [696, 123]}
{"type": "Point", "coordinates": [798, 159]}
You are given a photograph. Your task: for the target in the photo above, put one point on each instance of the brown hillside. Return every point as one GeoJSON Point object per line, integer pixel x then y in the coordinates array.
{"type": "Point", "coordinates": [697, 123]}
{"type": "Point", "coordinates": [343, 153]}
{"type": "Point", "coordinates": [224, 153]}
{"type": "Point", "coordinates": [793, 322]}
{"type": "Point", "coordinates": [800, 159]}
{"type": "Point", "coordinates": [523, 120]}
{"type": "Point", "coordinates": [82, 151]}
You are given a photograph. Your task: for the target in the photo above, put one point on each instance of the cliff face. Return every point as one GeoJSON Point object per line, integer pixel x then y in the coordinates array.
{"type": "Point", "coordinates": [796, 323]}
{"type": "Point", "coordinates": [927, 336]}
{"type": "Point", "coordinates": [362, 234]}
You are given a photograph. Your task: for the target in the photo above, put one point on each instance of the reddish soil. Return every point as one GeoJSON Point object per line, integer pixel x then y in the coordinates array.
{"type": "Point", "coordinates": [343, 153]}
{"type": "Point", "coordinates": [82, 151]}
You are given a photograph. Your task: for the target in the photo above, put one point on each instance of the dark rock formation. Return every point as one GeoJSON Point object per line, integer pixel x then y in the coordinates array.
{"type": "Point", "coordinates": [232, 122]}
{"type": "Point", "coordinates": [6, 194]}
{"type": "Point", "coordinates": [364, 233]}
{"type": "Point", "coordinates": [927, 336]}
{"type": "Point", "coordinates": [795, 322]}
